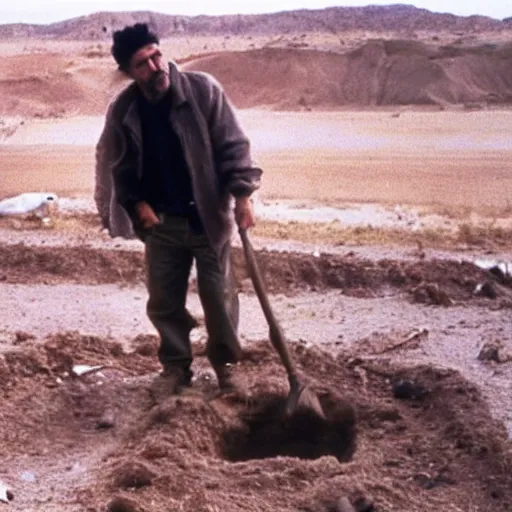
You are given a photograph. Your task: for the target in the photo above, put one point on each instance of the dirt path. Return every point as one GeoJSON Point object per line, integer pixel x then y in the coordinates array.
{"type": "Point", "coordinates": [360, 325]}
{"type": "Point", "coordinates": [454, 339]}
{"type": "Point", "coordinates": [436, 450]}
{"type": "Point", "coordinates": [408, 348]}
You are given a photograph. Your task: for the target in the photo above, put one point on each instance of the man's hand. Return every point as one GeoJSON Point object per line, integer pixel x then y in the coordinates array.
{"type": "Point", "coordinates": [147, 216]}
{"type": "Point", "coordinates": [244, 212]}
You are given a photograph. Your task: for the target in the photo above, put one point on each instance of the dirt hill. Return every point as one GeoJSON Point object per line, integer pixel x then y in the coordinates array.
{"type": "Point", "coordinates": [53, 86]}
{"type": "Point", "coordinates": [399, 18]}
{"type": "Point", "coordinates": [378, 73]}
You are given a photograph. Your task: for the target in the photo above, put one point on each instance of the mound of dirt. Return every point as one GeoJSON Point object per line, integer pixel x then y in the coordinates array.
{"type": "Point", "coordinates": [49, 265]}
{"type": "Point", "coordinates": [433, 282]}
{"type": "Point", "coordinates": [378, 73]}
{"type": "Point", "coordinates": [49, 85]}
{"type": "Point", "coordinates": [198, 451]}
{"type": "Point", "coordinates": [277, 78]}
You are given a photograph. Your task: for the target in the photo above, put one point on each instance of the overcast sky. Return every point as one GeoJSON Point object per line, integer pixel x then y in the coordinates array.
{"type": "Point", "coordinates": [47, 11]}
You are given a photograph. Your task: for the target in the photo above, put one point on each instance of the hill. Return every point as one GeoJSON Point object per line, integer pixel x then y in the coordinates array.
{"type": "Point", "coordinates": [397, 18]}
{"type": "Point", "coordinates": [378, 73]}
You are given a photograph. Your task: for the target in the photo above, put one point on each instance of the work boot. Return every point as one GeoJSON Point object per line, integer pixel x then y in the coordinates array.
{"type": "Point", "coordinates": [230, 380]}
{"type": "Point", "coordinates": [170, 381]}
{"type": "Point", "coordinates": [184, 375]}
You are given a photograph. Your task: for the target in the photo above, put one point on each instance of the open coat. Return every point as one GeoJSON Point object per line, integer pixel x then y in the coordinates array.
{"type": "Point", "coordinates": [216, 149]}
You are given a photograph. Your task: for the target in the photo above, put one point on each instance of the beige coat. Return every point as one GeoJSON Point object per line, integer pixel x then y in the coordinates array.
{"type": "Point", "coordinates": [217, 152]}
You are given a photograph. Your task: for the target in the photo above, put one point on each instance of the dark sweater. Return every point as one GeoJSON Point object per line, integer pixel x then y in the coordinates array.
{"type": "Point", "coordinates": [216, 147]}
{"type": "Point", "coordinates": [166, 183]}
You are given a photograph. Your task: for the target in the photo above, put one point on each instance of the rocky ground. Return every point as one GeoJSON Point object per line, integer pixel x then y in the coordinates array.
{"type": "Point", "coordinates": [407, 347]}
{"type": "Point", "coordinates": [409, 354]}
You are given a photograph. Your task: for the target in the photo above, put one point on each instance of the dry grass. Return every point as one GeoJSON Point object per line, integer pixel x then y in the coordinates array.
{"type": "Point", "coordinates": [458, 212]}
{"type": "Point", "coordinates": [336, 234]}
{"type": "Point", "coordinates": [482, 236]}
{"type": "Point", "coordinates": [319, 158]}
{"type": "Point", "coordinates": [86, 224]}
{"type": "Point", "coordinates": [87, 227]}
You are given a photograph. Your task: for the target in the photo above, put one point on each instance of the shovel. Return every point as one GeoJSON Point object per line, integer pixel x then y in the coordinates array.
{"type": "Point", "coordinates": [300, 399]}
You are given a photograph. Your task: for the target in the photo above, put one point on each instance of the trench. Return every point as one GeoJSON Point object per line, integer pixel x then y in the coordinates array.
{"type": "Point", "coordinates": [268, 432]}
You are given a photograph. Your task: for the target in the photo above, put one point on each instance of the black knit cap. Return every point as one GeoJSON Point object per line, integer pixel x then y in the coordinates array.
{"type": "Point", "coordinates": [129, 40]}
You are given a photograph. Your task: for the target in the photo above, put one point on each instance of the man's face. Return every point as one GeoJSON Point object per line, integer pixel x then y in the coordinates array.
{"type": "Point", "coordinates": [150, 71]}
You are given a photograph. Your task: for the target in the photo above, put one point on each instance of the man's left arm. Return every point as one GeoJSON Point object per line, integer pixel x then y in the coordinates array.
{"type": "Point", "coordinates": [231, 148]}
{"type": "Point", "coordinates": [103, 186]}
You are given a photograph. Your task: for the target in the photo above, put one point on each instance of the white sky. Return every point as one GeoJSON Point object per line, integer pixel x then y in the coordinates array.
{"type": "Point", "coordinates": [47, 11]}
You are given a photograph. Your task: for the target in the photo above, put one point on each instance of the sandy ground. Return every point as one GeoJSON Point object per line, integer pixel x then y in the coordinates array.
{"type": "Point", "coordinates": [344, 336]}
{"type": "Point", "coordinates": [362, 321]}
{"type": "Point", "coordinates": [455, 335]}
{"type": "Point", "coordinates": [446, 161]}
{"type": "Point", "coordinates": [85, 290]}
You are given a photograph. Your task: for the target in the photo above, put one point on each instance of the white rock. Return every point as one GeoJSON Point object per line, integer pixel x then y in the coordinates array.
{"type": "Point", "coordinates": [82, 369]}
{"type": "Point", "coordinates": [5, 493]}
{"type": "Point", "coordinates": [28, 202]}
{"type": "Point", "coordinates": [28, 476]}
{"type": "Point", "coordinates": [504, 266]}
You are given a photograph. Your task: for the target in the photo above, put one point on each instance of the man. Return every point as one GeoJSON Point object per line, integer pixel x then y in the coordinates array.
{"type": "Point", "coordinates": [174, 156]}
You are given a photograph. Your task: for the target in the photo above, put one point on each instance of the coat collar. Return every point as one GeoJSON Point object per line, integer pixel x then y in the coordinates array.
{"type": "Point", "coordinates": [131, 117]}
{"type": "Point", "coordinates": [177, 91]}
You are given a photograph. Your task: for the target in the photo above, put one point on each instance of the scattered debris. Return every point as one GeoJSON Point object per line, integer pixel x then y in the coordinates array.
{"type": "Point", "coordinates": [494, 351]}
{"type": "Point", "coordinates": [363, 375]}
{"type": "Point", "coordinates": [428, 482]}
{"type": "Point", "coordinates": [485, 290]}
{"type": "Point", "coordinates": [132, 475]}
{"type": "Point", "coordinates": [408, 390]}
{"type": "Point", "coordinates": [22, 337]}
{"type": "Point", "coordinates": [28, 476]}
{"type": "Point", "coordinates": [82, 369]}
{"type": "Point", "coordinates": [502, 270]}
{"type": "Point", "coordinates": [106, 421]}
{"type": "Point", "coordinates": [225, 450]}
{"type": "Point", "coordinates": [431, 293]}
{"type": "Point", "coordinates": [122, 504]}
{"type": "Point", "coordinates": [364, 504]}
{"type": "Point", "coordinates": [47, 222]}
{"type": "Point", "coordinates": [416, 336]}
{"type": "Point", "coordinates": [6, 494]}
{"type": "Point", "coordinates": [344, 505]}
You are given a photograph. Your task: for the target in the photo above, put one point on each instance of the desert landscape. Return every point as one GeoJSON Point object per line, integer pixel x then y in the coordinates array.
{"type": "Point", "coordinates": [384, 235]}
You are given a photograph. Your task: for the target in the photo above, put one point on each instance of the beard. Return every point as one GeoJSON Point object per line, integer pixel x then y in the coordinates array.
{"type": "Point", "coordinates": [157, 85]}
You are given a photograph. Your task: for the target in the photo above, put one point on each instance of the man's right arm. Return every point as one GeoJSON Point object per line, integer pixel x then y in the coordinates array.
{"type": "Point", "coordinates": [103, 175]}
{"type": "Point", "coordinates": [126, 179]}
{"type": "Point", "coordinates": [124, 170]}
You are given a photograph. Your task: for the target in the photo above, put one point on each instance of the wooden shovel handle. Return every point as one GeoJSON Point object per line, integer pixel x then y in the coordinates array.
{"type": "Point", "coordinates": [275, 332]}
